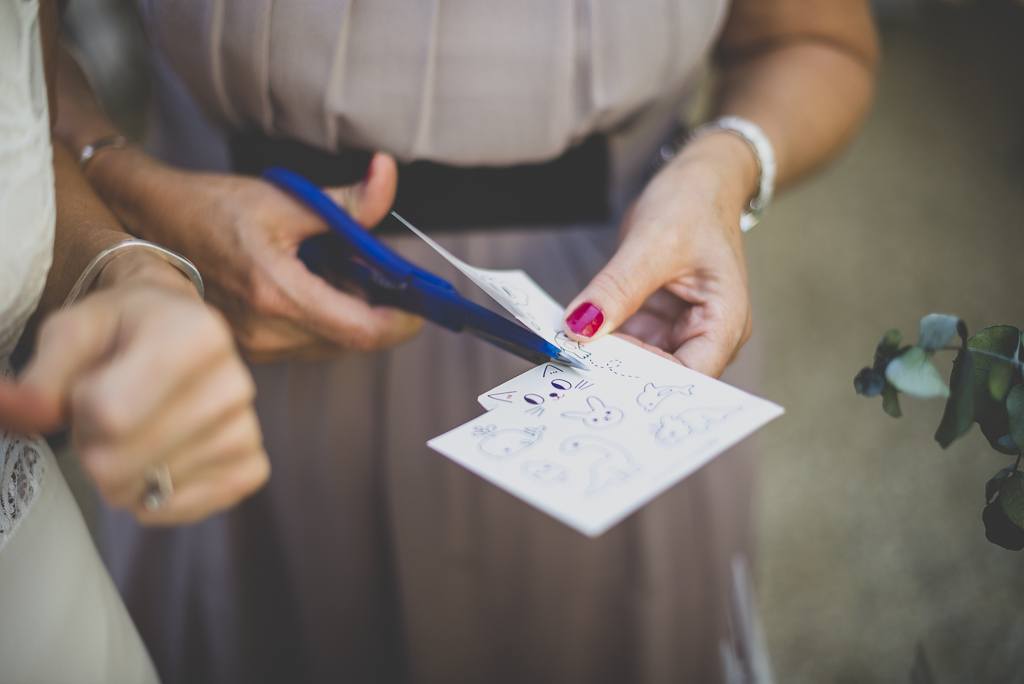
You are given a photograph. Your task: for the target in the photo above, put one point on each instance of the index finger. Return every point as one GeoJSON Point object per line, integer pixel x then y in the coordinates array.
{"type": "Point", "coordinates": [343, 318]}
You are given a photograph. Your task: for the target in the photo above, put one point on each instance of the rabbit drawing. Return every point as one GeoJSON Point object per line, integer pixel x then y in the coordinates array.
{"type": "Point", "coordinates": [599, 416]}
{"type": "Point", "coordinates": [652, 395]}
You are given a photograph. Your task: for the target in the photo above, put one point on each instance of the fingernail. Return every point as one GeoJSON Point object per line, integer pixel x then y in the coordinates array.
{"type": "Point", "coordinates": [585, 320]}
{"type": "Point", "coordinates": [369, 170]}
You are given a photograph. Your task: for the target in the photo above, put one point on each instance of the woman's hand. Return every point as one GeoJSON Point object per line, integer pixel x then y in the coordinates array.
{"type": "Point", "coordinates": [678, 280]}
{"type": "Point", "coordinates": [243, 235]}
{"type": "Point", "coordinates": [148, 376]}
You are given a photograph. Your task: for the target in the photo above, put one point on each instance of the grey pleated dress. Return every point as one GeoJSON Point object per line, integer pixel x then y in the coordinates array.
{"type": "Point", "coordinates": [369, 557]}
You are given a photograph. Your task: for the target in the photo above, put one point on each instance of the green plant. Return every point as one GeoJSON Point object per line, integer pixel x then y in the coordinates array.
{"type": "Point", "coordinates": [986, 387]}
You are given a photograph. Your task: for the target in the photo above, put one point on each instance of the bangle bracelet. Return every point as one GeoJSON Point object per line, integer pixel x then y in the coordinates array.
{"type": "Point", "coordinates": [92, 271]}
{"type": "Point", "coordinates": [751, 134]}
{"type": "Point", "coordinates": [114, 142]}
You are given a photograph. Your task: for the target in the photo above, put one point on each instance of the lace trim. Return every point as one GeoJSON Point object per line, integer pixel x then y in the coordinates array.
{"type": "Point", "coordinates": [21, 477]}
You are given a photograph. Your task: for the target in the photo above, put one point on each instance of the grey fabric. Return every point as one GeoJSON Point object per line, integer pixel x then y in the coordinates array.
{"type": "Point", "coordinates": [462, 82]}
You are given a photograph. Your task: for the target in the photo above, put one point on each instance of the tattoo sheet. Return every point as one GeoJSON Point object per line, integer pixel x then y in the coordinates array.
{"type": "Point", "coordinates": [590, 448]}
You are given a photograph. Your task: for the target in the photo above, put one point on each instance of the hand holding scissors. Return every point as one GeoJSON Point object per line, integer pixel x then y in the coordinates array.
{"type": "Point", "coordinates": [352, 254]}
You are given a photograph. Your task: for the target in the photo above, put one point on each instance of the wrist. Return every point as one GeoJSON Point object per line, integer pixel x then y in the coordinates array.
{"type": "Point", "coordinates": [124, 179]}
{"type": "Point", "coordinates": [729, 161]}
{"type": "Point", "coordinates": [141, 268]}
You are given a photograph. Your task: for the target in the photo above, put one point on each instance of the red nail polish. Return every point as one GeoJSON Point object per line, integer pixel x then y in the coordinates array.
{"type": "Point", "coordinates": [369, 170]}
{"type": "Point", "coordinates": [585, 320]}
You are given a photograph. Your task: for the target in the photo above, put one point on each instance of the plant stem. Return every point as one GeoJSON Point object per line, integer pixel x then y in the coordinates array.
{"type": "Point", "coordinates": [1012, 362]}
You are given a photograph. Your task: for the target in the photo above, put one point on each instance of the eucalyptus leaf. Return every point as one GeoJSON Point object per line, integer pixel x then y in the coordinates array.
{"type": "Point", "coordinates": [1000, 374]}
{"type": "Point", "coordinates": [887, 350]}
{"type": "Point", "coordinates": [999, 529]}
{"type": "Point", "coordinates": [1015, 409]}
{"type": "Point", "coordinates": [997, 432]}
{"type": "Point", "coordinates": [958, 416]}
{"type": "Point", "coordinates": [911, 372]}
{"type": "Point", "coordinates": [1002, 340]}
{"type": "Point", "coordinates": [891, 401]}
{"type": "Point", "coordinates": [992, 486]}
{"type": "Point", "coordinates": [1011, 498]}
{"type": "Point", "coordinates": [936, 330]}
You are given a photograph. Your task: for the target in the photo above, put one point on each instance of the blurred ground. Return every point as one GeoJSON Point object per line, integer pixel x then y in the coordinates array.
{"type": "Point", "coordinates": [870, 534]}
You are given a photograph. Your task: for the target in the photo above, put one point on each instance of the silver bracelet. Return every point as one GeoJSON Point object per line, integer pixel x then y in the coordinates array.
{"type": "Point", "coordinates": [751, 134]}
{"type": "Point", "coordinates": [115, 142]}
{"type": "Point", "coordinates": [92, 271]}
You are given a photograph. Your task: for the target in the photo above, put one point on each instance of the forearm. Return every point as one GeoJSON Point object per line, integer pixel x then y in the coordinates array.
{"type": "Point", "coordinates": [133, 185]}
{"type": "Point", "coordinates": [81, 118]}
{"type": "Point", "coordinates": [84, 228]}
{"type": "Point", "coordinates": [803, 70]}
{"type": "Point", "coordinates": [808, 98]}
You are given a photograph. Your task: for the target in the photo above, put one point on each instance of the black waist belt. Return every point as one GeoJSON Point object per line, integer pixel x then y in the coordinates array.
{"type": "Point", "coordinates": [570, 189]}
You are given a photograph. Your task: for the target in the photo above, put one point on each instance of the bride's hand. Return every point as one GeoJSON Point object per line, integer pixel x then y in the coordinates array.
{"type": "Point", "coordinates": [147, 376]}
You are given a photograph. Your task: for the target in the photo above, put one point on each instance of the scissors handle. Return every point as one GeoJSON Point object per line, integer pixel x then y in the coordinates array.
{"type": "Point", "coordinates": [351, 253]}
{"type": "Point", "coordinates": [369, 248]}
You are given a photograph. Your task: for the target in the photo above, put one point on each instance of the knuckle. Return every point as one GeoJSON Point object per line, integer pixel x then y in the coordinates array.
{"type": "Point", "coordinates": [107, 415]}
{"type": "Point", "coordinates": [617, 286]}
{"type": "Point", "coordinates": [363, 339]}
{"type": "Point", "coordinates": [264, 297]}
{"type": "Point", "coordinates": [246, 386]}
{"type": "Point", "coordinates": [251, 475]}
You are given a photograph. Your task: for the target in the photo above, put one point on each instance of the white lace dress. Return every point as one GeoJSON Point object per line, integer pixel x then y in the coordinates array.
{"type": "Point", "coordinates": [61, 619]}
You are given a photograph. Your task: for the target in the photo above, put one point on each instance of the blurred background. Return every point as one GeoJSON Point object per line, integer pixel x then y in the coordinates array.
{"type": "Point", "coordinates": [871, 537]}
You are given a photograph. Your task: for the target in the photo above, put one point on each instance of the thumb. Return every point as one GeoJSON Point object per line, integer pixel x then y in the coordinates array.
{"type": "Point", "coordinates": [25, 411]}
{"type": "Point", "coordinates": [70, 344]}
{"type": "Point", "coordinates": [369, 201]}
{"type": "Point", "coordinates": [615, 293]}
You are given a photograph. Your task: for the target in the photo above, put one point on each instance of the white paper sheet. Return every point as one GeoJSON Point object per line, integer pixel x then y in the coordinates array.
{"type": "Point", "coordinates": [514, 290]}
{"type": "Point", "coordinates": [591, 447]}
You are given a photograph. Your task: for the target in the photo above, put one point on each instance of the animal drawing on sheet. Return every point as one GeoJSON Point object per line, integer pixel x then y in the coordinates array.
{"type": "Point", "coordinates": [571, 346]}
{"type": "Point", "coordinates": [599, 416]}
{"type": "Point", "coordinates": [507, 442]}
{"type": "Point", "coordinates": [614, 465]}
{"type": "Point", "coordinates": [510, 294]}
{"type": "Point", "coordinates": [545, 472]}
{"type": "Point", "coordinates": [654, 395]}
{"type": "Point", "coordinates": [674, 429]}
{"type": "Point", "coordinates": [504, 289]}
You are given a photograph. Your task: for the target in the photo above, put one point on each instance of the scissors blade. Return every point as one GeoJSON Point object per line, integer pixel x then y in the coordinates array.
{"type": "Point", "coordinates": [535, 357]}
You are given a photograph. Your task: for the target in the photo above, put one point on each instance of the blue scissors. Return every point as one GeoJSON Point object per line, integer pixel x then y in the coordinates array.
{"type": "Point", "coordinates": [351, 253]}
